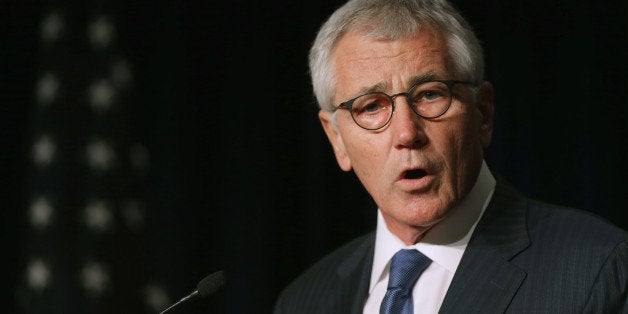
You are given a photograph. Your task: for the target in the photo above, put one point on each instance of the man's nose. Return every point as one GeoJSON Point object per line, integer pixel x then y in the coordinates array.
{"type": "Point", "coordinates": [409, 128]}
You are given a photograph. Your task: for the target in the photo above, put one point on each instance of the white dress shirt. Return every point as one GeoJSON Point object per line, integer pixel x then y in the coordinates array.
{"type": "Point", "coordinates": [444, 244]}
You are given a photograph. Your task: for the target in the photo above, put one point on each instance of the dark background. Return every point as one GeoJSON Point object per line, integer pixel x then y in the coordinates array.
{"type": "Point", "coordinates": [242, 177]}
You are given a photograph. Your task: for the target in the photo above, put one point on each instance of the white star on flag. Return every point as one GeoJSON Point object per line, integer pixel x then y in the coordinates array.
{"type": "Point", "coordinates": [98, 216]}
{"type": "Point", "coordinates": [94, 278]}
{"type": "Point", "coordinates": [47, 89]}
{"type": "Point", "coordinates": [51, 27]}
{"type": "Point", "coordinates": [41, 212]}
{"type": "Point", "coordinates": [100, 155]}
{"type": "Point", "coordinates": [101, 32]}
{"type": "Point", "coordinates": [44, 151]}
{"type": "Point", "coordinates": [38, 274]}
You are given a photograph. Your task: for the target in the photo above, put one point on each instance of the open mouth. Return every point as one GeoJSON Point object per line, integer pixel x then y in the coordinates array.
{"type": "Point", "coordinates": [414, 174]}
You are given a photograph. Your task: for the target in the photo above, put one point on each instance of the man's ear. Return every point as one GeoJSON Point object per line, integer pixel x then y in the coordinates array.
{"type": "Point", "coordinates": [333, 134]}
{"type": "Point", "coordinates": [485, 102]}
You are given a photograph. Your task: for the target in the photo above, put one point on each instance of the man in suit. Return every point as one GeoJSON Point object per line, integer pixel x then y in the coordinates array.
{"type": "Point", "coordinates": [404, 105]}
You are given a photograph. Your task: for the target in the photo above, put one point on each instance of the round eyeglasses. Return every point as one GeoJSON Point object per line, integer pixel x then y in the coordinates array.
{"type": "Point", "coordinates": [374, 110]}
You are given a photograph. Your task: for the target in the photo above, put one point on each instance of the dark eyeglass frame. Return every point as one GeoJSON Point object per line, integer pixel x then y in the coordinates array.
{"type": "Point", "coordinates": [449, 83]}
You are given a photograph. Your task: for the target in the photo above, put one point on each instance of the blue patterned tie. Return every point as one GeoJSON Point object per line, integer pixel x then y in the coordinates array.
{"type": "Point", "coordinates": [405, 269]}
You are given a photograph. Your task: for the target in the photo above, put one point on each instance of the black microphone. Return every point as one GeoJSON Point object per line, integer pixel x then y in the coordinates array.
{"type": "Point", "coordinates": [205, 288]}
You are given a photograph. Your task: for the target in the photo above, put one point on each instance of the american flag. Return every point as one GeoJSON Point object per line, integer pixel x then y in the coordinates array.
{"type": "Point", "coordinates": [86, 247]}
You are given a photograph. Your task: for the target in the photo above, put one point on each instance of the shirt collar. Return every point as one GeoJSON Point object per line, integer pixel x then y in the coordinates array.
{"type": "Point", "coordinates": [444, 243]}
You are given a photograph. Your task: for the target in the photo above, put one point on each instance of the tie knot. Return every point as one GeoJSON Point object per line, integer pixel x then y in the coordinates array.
{"type": "Point", "coordinates": [406, 267]}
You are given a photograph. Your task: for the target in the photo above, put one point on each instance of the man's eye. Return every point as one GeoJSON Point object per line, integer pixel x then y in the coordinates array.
{"type": "Point", "coordinates": [431, 95]}
{"type": "Point", "coordinates": [372, 107]}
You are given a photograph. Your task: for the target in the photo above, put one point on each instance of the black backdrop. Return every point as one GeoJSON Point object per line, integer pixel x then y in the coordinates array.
{"type": "Point", "coordinates": [242, 177]}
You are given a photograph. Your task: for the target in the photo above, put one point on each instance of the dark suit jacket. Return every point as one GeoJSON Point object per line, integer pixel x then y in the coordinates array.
{"type": "Point", "coordinates": [523, 257]}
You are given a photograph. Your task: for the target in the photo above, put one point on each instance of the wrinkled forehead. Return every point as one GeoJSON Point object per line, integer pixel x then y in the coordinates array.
{"type": "Point", "coordinates": [363, 62]}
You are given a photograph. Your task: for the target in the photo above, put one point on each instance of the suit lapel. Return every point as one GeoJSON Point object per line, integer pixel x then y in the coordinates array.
{"type": "Point", "coordinates": [485, 279]}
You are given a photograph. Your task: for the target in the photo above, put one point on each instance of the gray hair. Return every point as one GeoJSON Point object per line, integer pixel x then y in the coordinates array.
{"type": "Point", "coordinates": [393, 19]}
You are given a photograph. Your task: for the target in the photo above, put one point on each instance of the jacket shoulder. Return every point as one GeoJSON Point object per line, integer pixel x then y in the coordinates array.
{"type": "Point", "coordinates": [339, 271]}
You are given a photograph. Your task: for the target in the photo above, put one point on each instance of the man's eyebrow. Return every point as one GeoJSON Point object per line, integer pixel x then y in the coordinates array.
{"type": "Point", "coordinates": [429, 76]}
{"type": "Point", "coordinates": [382, 86]}
{"type": "Point", "coordinates": [379, 87]}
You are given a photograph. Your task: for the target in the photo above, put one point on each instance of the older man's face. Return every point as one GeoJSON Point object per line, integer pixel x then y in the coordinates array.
{"type": "Point", "coordinates": [415, 169]}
